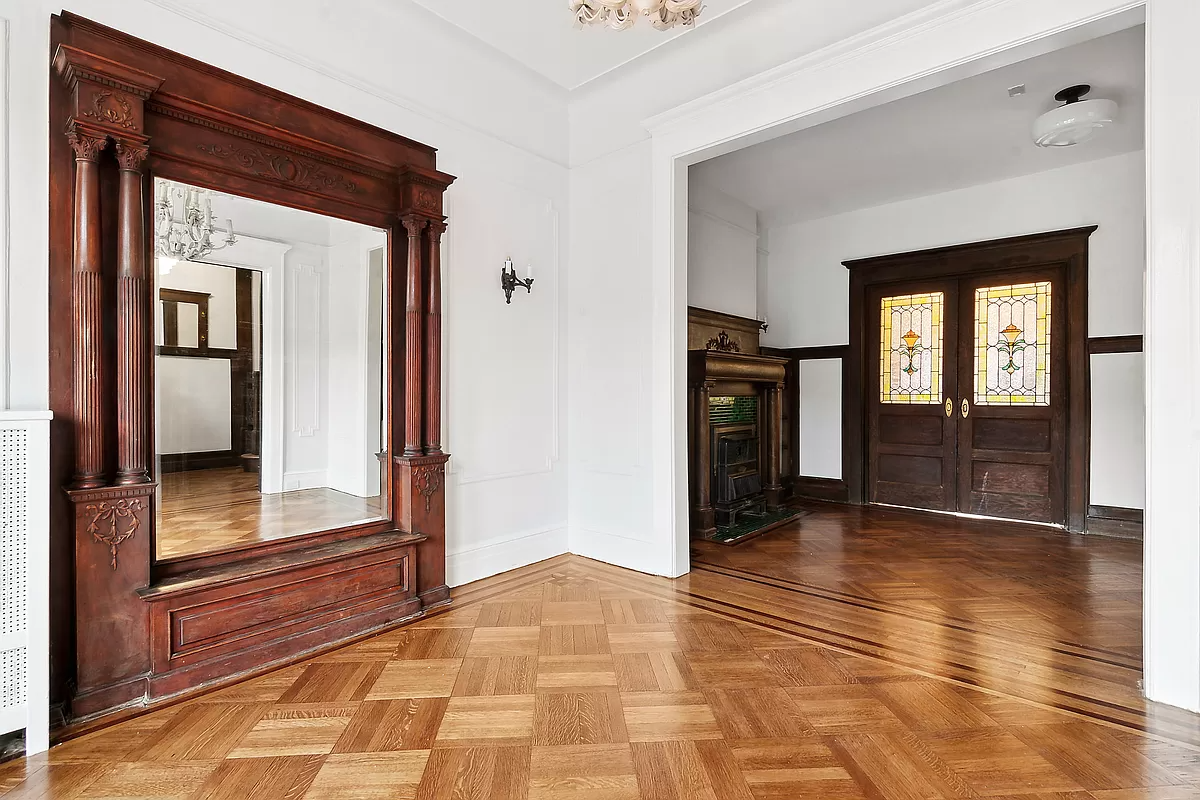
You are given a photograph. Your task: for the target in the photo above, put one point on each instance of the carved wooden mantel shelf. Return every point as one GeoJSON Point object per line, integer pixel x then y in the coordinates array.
{"type": "Point", "coordinates": [714, 365]}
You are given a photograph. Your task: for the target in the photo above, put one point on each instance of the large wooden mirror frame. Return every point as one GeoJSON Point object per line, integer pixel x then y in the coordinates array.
{"type": "Point", "coordinates": [127, 630]}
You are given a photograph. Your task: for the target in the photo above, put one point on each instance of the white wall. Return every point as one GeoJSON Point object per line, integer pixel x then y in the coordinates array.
{"type": "Point", "coordinates": [722, 252]}
{"type": "Point", "coordinates": [609, 308]}
{"type": "Point", "coordinates": [808, 304]}
{"type": "Point", "coordinates": [504, 137]}
{"type": "Point", "coordinates": [192, 399]}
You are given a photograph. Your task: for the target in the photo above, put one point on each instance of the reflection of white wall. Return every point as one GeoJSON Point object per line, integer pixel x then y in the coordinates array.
{"type": "Point", "coordinates": [220, 283]}
{"type": "Point", "coordinates": [353, 351]}
{"type": "Point", "coordinates": [193, 403]}
{"type": "Point", "coordinates": [305, 369]}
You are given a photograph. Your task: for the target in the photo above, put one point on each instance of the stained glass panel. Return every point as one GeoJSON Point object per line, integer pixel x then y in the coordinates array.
{"type": "Point", "coordinates": [910, 351]}
{"type": "Point", "coordinates": [1012, 345]}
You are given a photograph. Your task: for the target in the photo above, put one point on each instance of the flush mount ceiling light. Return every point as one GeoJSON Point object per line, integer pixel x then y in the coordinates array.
{"type": "Point", "coordinates": [620, 14]}
{"type": "Point", "coordinates": [1074, 122]}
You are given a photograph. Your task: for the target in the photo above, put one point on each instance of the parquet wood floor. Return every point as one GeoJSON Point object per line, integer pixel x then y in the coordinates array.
{"type": "Point", "coordinates": [576, 680]}
{"type": "Point", "coordinates": [207, 510]}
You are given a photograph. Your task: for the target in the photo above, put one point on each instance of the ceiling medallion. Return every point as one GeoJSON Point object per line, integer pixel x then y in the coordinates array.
{"type": "Point", "coordinates": [620, 14]}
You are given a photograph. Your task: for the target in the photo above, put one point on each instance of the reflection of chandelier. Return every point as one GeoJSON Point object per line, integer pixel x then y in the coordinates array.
{"type": "Point", "coordinates": [620, 14]}
{"type": "Point", "coordinates": [183, 230]}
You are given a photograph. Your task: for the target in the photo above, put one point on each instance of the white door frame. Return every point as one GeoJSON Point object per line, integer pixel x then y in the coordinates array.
{"type": "Point", "coordinates": [945, 42]}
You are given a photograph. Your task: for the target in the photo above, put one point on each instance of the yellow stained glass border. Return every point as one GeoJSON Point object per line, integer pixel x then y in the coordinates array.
{"type": "Point", "coordinates": [895, 395]}
{"type": "Point", "coordinates": [1041, 290]}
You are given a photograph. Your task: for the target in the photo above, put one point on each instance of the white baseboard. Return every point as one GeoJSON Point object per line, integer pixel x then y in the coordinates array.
{"type": "Point", "coordinates": [501, 555]}
{"type": "Point", "coordinates": [620, 551]}
{"type": "Point", "coordinates": [312, 479]}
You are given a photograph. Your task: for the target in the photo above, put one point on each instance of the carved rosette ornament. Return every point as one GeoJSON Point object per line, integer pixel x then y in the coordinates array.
{"type": "Point", "coordinates": [113, 523]}
{"type": "Point", "coordinates": [427, 478]}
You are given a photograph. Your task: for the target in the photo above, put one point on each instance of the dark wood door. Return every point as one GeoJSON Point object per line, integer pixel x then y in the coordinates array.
{"type": "Point", "coordinates": [1012, 407]}
{"type": "Point", "coordinates": [912, 435]}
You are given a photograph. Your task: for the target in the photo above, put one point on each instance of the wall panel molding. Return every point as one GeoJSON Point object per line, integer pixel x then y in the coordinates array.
{"type": "Point", "coordinates": [304, 347]}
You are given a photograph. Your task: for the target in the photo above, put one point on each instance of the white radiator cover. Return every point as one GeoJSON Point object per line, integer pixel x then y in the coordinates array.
{"type": "Point", "coordinates": [24, 576]}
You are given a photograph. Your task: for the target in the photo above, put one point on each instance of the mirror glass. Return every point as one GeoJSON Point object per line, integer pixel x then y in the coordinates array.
{"type": "Point", "coordinates": [269, 372]}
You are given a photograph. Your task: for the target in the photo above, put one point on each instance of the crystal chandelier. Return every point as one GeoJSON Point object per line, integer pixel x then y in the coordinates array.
{"type": "Point", "coordinates": [620, 14]}
{"type": "Point", "coordinates": [183, 225]}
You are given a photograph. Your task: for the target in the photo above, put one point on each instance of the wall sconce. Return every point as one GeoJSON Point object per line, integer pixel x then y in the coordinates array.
{"type": "Point", "coordinates": [509, 280]}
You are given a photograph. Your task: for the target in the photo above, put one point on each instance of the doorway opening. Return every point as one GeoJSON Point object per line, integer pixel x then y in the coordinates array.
{"type": "Point", "coordinates": [959, 314]}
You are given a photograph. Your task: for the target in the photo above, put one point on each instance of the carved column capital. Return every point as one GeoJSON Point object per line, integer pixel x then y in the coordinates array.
{"type": "Point", "coordinates": [86, 144]}
{"type": "Point", "coordinates": [414, 225]}
{"type": "Point", "coordinates": [131, 155]}
{"type": "Point", "coordinates": [436, 230]}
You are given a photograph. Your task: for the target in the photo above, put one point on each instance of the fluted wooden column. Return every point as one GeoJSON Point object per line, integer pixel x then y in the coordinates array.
{"type": "Point", "coordinates": [705, 519]}
{"type": "Point", "coordinates": [433, 342]}
{"type": "Point", "coordinates": [413, 327]}
{"type": "Point", "coordinates": [774, 440]}
{"type": "Point", "coordinates": [132, 421]}
{"type": "Point", "coordinates": [87, 296]}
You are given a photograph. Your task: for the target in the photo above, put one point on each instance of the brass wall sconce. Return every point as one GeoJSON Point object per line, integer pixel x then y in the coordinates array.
{"type": "Point", "coordinates": [509, 280]}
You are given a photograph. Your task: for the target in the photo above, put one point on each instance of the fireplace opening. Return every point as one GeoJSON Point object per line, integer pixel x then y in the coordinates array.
{"type": "Point", "coordinates": [737, 487]}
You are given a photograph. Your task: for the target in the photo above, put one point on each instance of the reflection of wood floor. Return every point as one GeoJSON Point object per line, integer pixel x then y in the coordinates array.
{"type": "Point", "coordinates": [572, 679]}
{"type": "Point", "coordinates": [216, 509]}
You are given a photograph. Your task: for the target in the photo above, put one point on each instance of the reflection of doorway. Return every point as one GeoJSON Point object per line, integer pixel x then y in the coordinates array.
{"type": "Point", "coordinates": [209, 346]}
{"type": "Point", "coordinates": [970, 380]}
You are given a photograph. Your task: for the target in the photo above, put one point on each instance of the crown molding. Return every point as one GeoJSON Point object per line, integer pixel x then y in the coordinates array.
{"type": "Point", "coordinates": [305, 61]}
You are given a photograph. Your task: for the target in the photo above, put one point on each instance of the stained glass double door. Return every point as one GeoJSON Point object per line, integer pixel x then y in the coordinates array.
{"type": "Point", "coordinates": [967, 412]}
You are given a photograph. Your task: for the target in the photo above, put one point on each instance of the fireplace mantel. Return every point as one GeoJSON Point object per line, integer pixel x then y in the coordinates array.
{"type": "Point", "coordinates": [716, 373]}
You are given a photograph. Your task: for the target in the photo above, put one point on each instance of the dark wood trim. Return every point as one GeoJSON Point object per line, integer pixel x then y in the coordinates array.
{"type": "Point", "coordinates": [1099, 345]}
{"type": "Point", "coordinates": [185, 296]}
{"type": "Point", "coordinates": [171, 298]}
{"type": "Point", "coordinates": [184, 462]}
{"type": "Point", "coordinates": [834, 490]}
{"type": "Point", "coordinates": [240, 366]}
{"type": "Point", "coordinates": [1122, 523]}
{"type": "Point", "coordinates": [811, 353]}
{"type": "Point", "coordinates": [1116, 513]}
{"type": "Point", "coordinates": [1068, 247]}
{"type": "Point", "coordinates": [196, 352]}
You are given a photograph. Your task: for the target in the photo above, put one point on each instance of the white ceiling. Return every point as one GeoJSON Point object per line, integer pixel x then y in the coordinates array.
{"type": "Point", "coordinates": [541, 35]}
{"type": "Point", "coordinates": [963, 134]}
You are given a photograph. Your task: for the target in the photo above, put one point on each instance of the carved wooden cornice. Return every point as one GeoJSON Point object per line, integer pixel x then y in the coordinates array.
{"type": "Point", "coordinates": [421, 191]}
{"type": "Point", "coordinates": [105, 94]}
{"type": "Point", "coordinates": [205, 116]}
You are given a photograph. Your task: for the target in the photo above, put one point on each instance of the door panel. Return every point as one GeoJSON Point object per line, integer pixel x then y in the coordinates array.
{"type": "Point", "coordinates": [911, 438]}
{"type": "Point", "coordinates": [1012, 412]}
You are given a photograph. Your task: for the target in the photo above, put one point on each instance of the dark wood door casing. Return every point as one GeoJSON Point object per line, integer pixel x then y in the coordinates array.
{"type": "Point", "coordinates": [1065, 251]}
{"type": "Point", "coordinates": [170, 116]}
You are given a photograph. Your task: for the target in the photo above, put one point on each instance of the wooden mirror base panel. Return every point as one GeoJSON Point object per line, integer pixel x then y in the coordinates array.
{"type": "Point", "coordinates": [127, 630]}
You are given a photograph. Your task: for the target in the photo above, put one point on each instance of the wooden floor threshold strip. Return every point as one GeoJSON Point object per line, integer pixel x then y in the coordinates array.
{"type": "Point", "coordinates": [1068, 648]}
